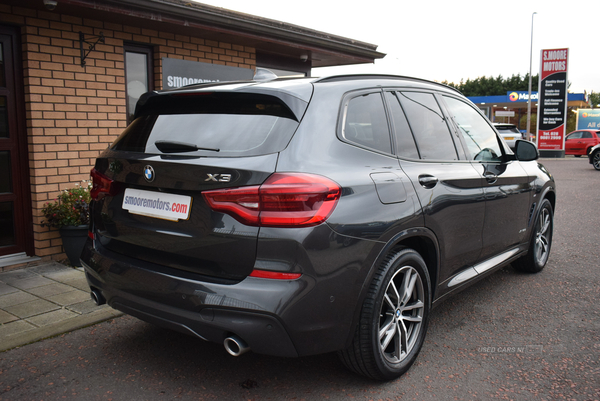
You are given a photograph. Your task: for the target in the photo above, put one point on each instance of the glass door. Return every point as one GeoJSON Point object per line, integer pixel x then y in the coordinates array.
{"type": "Point", "coordinates": [16, 233]}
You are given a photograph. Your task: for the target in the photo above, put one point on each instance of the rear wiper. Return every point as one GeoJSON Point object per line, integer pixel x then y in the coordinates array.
{"type": "Point", "coordinates": [176, 147]}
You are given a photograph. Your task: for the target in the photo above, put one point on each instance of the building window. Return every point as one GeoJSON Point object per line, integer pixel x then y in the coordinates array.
{"type": "Point", "coordinates": [138, 75]}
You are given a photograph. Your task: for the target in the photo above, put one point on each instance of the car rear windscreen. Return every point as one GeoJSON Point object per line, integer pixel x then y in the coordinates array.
{"type": "Point", "coordinates": [215, 125]}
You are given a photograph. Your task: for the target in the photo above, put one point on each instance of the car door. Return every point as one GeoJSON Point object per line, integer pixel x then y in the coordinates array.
{"type": "Point", "coordinates": [448, 187]}
{"type": "Point", "coordinates": [587, 141]}
{"type": "Point", "coordinates": [507, 186]}
{"type": "Point", "coordinates": [573, 143]}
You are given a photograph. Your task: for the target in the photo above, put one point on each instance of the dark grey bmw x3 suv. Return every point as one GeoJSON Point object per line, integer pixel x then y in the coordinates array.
{"type": "Point", "coordinates": [305, 216]}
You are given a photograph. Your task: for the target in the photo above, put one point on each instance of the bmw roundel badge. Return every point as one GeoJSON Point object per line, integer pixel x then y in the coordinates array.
{"type": "Point", "coordinates": [149, 173]}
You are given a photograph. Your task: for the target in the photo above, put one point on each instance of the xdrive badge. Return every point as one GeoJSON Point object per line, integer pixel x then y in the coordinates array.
{"type": "Point", "coordinates": [149, 173]}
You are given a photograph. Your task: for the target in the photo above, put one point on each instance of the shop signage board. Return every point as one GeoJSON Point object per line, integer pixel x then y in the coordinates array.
{"type": "Point", "coordinates": [552, 105]}
{"type": "Point", "coordinates": [178, 73]}
{"type": "Point", "coordinates": [588, 119]}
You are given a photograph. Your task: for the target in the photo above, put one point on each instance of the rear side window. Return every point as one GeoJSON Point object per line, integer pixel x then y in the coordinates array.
{"type": "Point", "coordinates": [508, 130]}
{"type": "Point", "coordinates": [365, 122]}
{"type": "Point", "coordinates": [428, 125]}
{"type": "Point", "coordinates": [586, 135]}
{"type": "Point", "coordinates": [405, 141]}
{"type": "Point", "coordinates": [217, 125]}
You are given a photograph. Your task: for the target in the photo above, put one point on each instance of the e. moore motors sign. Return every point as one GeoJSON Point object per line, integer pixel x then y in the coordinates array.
{"type": "Point", "coordinates": [178, 73]}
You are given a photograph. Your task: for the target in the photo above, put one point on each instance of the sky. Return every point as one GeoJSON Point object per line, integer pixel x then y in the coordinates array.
{"type": "Point", "coordinates": [450, 40]}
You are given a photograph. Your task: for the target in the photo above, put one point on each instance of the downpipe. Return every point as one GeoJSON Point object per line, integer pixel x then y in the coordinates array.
{"type": "Point", "coordinates": [235, 346]}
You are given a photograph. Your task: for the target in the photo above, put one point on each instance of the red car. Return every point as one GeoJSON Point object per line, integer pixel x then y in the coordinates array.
{"type": "Point", "coordinates": [580, 142]}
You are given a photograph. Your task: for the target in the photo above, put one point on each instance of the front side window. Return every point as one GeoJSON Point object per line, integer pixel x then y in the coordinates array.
{"type": "Point", "coordinates": [479, 137]}
{"type": "Point", "coordinates": [365, 122]}
{"type": "Point", "coordinates": [428, 125]}
{"type": "Point", "coordinates": [574, 135]}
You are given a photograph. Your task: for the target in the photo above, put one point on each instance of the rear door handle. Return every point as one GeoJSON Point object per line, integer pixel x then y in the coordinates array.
{"type": "Point", "coordinates": [427, 181]}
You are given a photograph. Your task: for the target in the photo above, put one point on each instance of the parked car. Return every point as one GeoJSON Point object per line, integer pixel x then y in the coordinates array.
{"type": "Point", "coordinates": [509, 132]}
{"type": "Point", "coordinates": [580, 142]}
{"type": "Point", "coordinates": [305, 216]}
{"type": "Point", "coordinates": [594, 157]}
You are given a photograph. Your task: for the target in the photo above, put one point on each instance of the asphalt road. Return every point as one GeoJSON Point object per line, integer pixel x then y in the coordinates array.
{"type": "Point", "coordinates": [511, 336]}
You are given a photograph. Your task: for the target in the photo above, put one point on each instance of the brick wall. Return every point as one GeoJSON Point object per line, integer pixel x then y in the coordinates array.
{"type": "Point", "coordinates": [75, 112]}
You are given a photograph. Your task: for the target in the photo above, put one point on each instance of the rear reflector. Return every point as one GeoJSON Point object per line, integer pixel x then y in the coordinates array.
{"type": "Point", "coordinates": [274, 275]}
{"type": "Point", "coordinates": [284, 200]}
{"type": "Point", "coordinates": [101, 185]}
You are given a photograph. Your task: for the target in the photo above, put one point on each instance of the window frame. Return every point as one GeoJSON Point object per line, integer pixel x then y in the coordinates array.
{"type": "Point", "coordinates": [461, 139]}
{"type": "Point", "coordinates": [346, 99]}
{"type": "Point", "coordinates": [460, 153]}
{"type": "Point", "coordinates": [129, 47]}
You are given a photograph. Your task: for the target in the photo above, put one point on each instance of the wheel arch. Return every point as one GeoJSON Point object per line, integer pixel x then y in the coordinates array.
{"type": "Point", "coordinates": [551, 196]}
{"type": "Point", "coordinates": [423, 241]}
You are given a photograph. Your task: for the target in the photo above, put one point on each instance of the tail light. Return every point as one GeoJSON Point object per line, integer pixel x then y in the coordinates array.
{"type": "Point", "coordinates": [101, 185]}
{"type": "Point", "coordinates": [284, 200]}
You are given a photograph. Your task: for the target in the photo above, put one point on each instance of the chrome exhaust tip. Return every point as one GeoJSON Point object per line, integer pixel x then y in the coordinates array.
{"type": "Point", "coordinates": [97, 297]}
{"type": "Point", "coordinates": [235, 346]}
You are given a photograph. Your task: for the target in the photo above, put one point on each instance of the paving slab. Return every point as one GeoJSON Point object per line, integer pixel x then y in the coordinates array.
{"type": "Point", "coordinates": [33, 308]}
{"type": "Point", "coordinates": [43, 301]}
{"type": "Point", "coordinates": [15, 298]}
{"type": "Point", "coordinates": [6, 317]}
{"type": "Point", "coordinates": [6, 289]}
{"type": "Point", "coordinates": [56, 316]}
{"type": "Point", "coordinates": [70, 298]}
{"type": "Point", "coordinates": [14, 328]}
{"type": "Point", "coordinates": [31, 282]}
{"type": "Point", "coordinates": [51, 289]}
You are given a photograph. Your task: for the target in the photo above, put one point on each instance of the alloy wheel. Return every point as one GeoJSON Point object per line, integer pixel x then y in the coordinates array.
{"type": "Point", "coordinates": [596, 160]}
{"type": "Point", "coordinates": [542, 242]}
{"type": "Point", "coordinates": [401, 316]}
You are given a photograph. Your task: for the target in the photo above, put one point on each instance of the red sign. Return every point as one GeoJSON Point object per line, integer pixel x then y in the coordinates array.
{"type": "Point", "coordinates": [552, 105]}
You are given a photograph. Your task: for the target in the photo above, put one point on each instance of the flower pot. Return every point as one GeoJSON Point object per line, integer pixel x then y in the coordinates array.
{"type": "Point", "coordinates": [73, 239]}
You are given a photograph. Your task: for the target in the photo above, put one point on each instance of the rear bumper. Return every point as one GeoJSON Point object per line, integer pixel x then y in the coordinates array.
{"type": "Point", "coordinates": [307, 316]}
{"type": "Point", "coordinates": [206, 310]}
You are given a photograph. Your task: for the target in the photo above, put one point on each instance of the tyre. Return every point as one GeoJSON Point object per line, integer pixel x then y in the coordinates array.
{"type": "Point", "coordinates": [596, 160]}
{"type": "Point", "coordinates": [393, 318]}
{"type": "Point", "coordinates": [541, 242]}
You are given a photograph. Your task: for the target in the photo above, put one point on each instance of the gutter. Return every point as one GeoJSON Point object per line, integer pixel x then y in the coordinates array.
{"type": "Point", "coordinates": [197, 15]}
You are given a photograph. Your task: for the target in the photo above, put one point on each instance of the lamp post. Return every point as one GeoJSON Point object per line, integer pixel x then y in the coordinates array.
{"type": "Point", "coordinates": [529, 97]}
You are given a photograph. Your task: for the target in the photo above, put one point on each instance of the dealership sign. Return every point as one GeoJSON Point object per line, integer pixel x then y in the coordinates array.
{"type": "Point", "coordinates": [588, 119]}
{"type": "Point", "coordinates": [552, 108]}
{"type": "Point", "coordinates": [178, 73]}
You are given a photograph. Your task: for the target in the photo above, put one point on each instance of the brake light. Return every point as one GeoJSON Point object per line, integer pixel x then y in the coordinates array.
{"type": "Point", "coordinates": [101, 185]}
{"type": "Point", "coordinates": [283, 200]}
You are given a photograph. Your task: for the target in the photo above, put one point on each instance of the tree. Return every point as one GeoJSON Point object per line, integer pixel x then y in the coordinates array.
{"type": "Point", "coordinates": [594, 99]}
{"type": "Point", "coordinates": [490, 86]}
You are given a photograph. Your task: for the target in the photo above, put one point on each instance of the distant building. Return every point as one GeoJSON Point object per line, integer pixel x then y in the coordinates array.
{"type": "Point", "coordinates": [511, 107]}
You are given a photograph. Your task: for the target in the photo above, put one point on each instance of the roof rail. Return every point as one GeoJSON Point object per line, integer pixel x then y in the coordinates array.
{"type": "Point", "coordinates": [350, 77]}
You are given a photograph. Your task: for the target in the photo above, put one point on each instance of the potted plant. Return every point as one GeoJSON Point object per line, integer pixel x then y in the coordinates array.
{"type": "Point", "coordinates": [70, 214]}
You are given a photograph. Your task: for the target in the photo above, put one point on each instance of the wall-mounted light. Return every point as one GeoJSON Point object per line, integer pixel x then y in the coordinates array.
{"type": "Point", "coordinates": [50, 4]}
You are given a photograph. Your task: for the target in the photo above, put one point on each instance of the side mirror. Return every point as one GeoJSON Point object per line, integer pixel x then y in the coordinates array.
{"type": "Point", "coordinates": [526, 151]}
